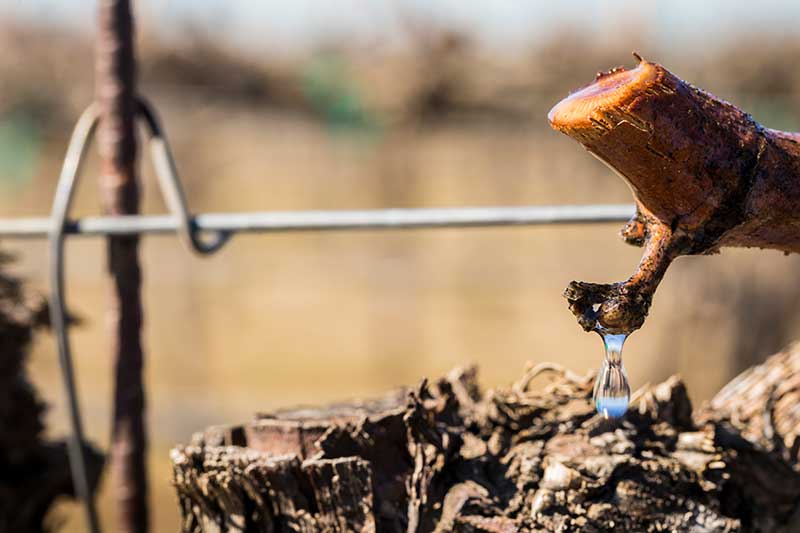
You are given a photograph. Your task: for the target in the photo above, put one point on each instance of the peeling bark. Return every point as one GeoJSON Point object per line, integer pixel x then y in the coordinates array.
{"type": "Point", "coordinates": [704, 175]}
{"type": "Point", "coordinates": [446, 457]}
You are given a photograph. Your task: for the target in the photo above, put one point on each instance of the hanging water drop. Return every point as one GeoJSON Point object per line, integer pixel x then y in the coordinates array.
{"type": "Point", "coordinates": [611, 390]}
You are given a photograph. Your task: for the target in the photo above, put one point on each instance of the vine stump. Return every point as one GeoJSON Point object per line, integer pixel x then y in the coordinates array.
{"type": "Point", "coordinates": [445, 456]}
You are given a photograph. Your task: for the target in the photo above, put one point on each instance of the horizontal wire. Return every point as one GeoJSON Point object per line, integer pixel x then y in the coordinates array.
{"type": "Point", "coordinates": [286, 221]}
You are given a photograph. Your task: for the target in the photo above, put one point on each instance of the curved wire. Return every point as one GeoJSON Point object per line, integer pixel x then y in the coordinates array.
{"type": "Point", "coordinates": [171, 188]}
{"type": "Point", "coordinates": [175, 199]}
{"type": "Point", "coordinates": [79, 141]}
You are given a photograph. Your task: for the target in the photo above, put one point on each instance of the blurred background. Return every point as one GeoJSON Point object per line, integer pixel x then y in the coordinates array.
{"type": "Point", "coordinates": [388, 103]}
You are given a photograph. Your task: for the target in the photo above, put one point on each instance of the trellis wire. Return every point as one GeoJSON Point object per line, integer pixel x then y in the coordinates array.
{"type": "Point", "coordinates": [293, 221]}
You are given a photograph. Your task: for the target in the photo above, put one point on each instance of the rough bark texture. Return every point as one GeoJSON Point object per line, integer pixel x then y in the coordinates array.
{"type": "Point", "coordinates": [33, 472]}
{"type": "Point", "coordinates": [447, 457]}
{"type": "Point", "coordinates": [115, 88]}
{"type": "Point", "coordinates": [704, 175]}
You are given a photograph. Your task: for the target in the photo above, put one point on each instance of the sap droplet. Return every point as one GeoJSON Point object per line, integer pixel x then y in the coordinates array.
{"type": "Point", "coordinates": [611, 390]}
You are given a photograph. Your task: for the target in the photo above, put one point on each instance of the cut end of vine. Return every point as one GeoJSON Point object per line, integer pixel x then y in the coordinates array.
{"type": "Point", "coordinates": [588, 107]}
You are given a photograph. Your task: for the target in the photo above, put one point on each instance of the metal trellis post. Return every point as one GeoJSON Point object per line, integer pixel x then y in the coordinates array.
{"type": "Point", "coordinates": [115, 93]}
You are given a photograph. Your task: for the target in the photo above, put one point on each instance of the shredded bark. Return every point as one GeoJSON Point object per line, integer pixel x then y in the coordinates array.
{"type": "Point", "coordinates": [445, 456]}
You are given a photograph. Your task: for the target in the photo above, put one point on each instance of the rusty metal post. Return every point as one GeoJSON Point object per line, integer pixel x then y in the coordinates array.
{"type": "Point", "coordinates": [116, 95]}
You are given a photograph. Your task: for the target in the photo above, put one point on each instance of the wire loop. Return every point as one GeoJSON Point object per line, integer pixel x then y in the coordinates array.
{"type": "Point", "coordinates": [170, 185]}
